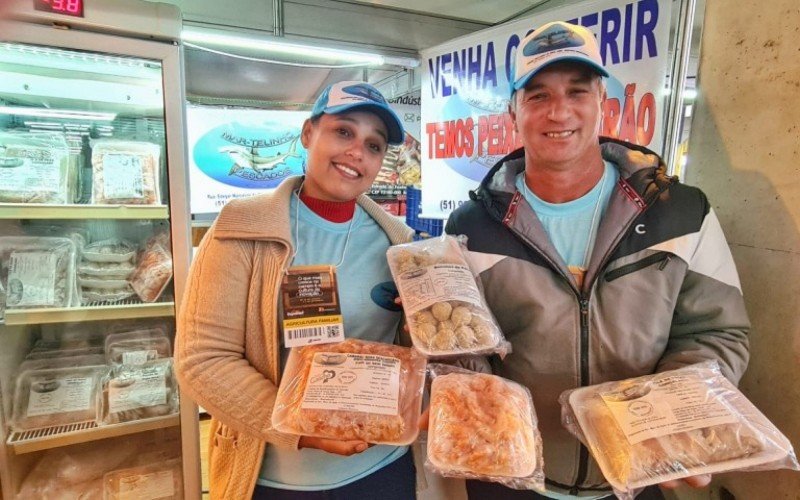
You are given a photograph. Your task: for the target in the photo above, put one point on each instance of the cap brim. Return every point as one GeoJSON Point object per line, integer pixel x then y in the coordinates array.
{"type": "Point", "coordinates": [580, 60]}
{"type": "Point", "coordinates": [394, 127]}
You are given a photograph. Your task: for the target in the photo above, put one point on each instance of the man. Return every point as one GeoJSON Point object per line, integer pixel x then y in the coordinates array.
{"type": "Point", "coordinates": [597, 265]}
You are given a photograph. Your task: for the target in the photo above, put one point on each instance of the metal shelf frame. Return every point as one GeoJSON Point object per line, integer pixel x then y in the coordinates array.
{"type": "Point", "coordinates": [76, 211]}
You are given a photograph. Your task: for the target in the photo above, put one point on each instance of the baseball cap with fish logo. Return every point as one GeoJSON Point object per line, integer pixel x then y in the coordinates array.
{"type": "Point", "coordinates": [359, 96]}
{"type": "Point", "coordinates": [555, 42]}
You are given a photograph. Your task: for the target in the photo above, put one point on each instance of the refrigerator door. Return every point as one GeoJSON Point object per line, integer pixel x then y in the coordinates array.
{"type": "Point", "coordinates": [94, 254]}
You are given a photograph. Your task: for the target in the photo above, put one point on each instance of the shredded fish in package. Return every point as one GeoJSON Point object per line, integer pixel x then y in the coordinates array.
{"type": "Point", "coordinates": [154, 270]}
{"type": "Point", "coordinates": [135, 392]}
{"type": "Point", "coordinates": [483, 427]}
{"type": "Point", "coordinates": [125, 172]}
{"type": "Point", "coordinates": [158, 481]}
{"type": "Point", "coordinates": [38, 271]}
{"type": "Point", "coordinates": [137, 347]}
{"type": "Point", "coordinates": [352, 390]}
{"type": "Point", "coordinates": [672, 425]}
{"type": "Point", "coordinates": [35, 167]}
{"type": "Point", "coordinates": [443, 302]}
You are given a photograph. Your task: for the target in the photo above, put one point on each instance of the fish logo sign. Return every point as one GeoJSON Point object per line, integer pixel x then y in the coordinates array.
{"type": "Point", "coordinates": [245, 158]}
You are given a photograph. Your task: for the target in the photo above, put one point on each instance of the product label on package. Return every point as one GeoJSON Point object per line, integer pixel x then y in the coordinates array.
{"type": "Point", "coordinates": [139, 357]}
{"type": "Point", "coordinates": [123, 176]}
{"type": "Point", "coordinates": [668, 405]}
{"type": "Point", "coordinates": [59, 395]}
{"type": "Point", "coordinates": [311, 310]}
{"type": "Point", "coordinates": [422, 288]}
{"type": "Point", "coordinates": [30, 170]}
{"type": "Point", "coordinates": [147, 486]}
{"type": "Point", "coordinates": [353, 382]}
{"type": "Point", "coordinates": [31, 279]}
{"type": "Point", "coordinates": [140, 389]}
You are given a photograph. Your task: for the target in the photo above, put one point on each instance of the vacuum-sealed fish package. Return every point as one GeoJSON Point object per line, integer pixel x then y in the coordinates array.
{"type": "Point", "coordinates": [352, 390]}
{"type": "Point", "coordinates": [483, 427]}
{"type": "Point", "coordinates": [135, 392]}
{"type": "Point", "coordinates": [158, 481]}
{"type": "Point", "coordinates": [35, 167]}
{"type": "Point", "coordinates": [126, 172]}
{"type": "Point", "coordinates": [61, 396]}
{"type": "Point", "coordinates": [443, 302]}
{"type": "Point", "coordinates": [38, 271]}
{"type": "Point", "coordinates": [672, 425]}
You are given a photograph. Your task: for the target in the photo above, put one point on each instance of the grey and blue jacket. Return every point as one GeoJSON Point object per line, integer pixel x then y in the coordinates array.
{"type": "Point", "coordinates": [661, 291]}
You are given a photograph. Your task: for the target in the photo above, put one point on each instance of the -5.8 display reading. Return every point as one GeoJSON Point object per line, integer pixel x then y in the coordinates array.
{"type": "Point", "coordinates": [65, 7]}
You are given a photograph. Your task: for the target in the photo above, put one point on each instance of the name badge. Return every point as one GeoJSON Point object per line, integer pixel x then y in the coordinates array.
{"type": "Point", "coordinates": [311, 310]}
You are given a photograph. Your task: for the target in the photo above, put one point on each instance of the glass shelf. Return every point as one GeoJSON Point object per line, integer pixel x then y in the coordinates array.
{"type": "Point", "coordinates": [40, 211]}
{"type": "Point", "coordinates": [63, 435]}
{"type": "Point", "coordinates": [125, 309]}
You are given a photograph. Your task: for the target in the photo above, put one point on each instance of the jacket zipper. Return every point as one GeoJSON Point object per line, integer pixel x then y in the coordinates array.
{"type": "Point", "coordinates": [663, 257]}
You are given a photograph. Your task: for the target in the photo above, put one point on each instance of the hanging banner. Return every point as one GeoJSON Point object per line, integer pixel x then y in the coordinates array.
{"type": "Point", "coordinates": [465, 91]}
{"type": "Point", "coordinates": [235, 153]}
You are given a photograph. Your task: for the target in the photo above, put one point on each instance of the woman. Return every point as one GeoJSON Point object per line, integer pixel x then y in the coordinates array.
{"type": "Point", "coordinates": [231, 349]}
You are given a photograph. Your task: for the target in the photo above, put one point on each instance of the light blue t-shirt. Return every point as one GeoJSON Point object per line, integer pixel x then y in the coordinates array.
{"type": "Point", "coordinates": [366, 293]}
{"type": "Point", "coordinates": [573, 225]}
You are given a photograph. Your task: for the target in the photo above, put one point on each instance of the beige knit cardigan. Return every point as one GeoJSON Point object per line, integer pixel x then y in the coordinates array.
{"type": "Point", "coordinates": [227, 355]}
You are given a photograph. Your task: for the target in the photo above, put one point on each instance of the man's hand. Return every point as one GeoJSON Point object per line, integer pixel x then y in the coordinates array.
{"type": "Point", "coordinates": [700, 481]}
{"type": "Point", "coordinates": [336, 446]}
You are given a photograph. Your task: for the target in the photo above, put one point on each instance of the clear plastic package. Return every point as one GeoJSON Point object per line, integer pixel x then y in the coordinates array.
{"type": "Point", "coordinates": [35, 167]}
{"type": "Point", "coordinates": [109, 251]}
{"type": "Point", "coordinates": [106, 270]}
{"type": "Point", "coordinates": [135, 392]}
{"type": "Point", "coordinates": [159, 481]}
{"type": "Point", "coordinates": [38, 271]}
{"type": "Point", "coordinates": [102, 283]}
{"type": "Point", "coordinates": [90, 295]}
{"type": "Point", "coordinates": [153, 271]}
{"type": "Point", "coordinates": [126, 172]}
{"type": "Point", "coordinates": [672, 425]}
{"type": "Point", "coordinates": [446, 312]}
{"type": "Point", "coordinates": [137, 347]}
{"type": "Point", "coordinates": [483, 427]}
{"type": "Point", "coordinates": [65, 353]}
{"type": "Point", "coordinates": [62, 362]}
{"type": "Point", "coordinates": [353, 389]}
{"type": "Point", "coordinates": [61, 396]}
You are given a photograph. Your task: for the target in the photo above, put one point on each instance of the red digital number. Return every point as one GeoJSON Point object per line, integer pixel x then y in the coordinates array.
{"type": "Point", "coordinates": [58, 5]}
{"type": "Point", "coordinates": [73, 6]}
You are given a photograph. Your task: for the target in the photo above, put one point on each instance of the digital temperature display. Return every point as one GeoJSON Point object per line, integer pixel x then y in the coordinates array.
{"type": "Point", "coordinates": [65, 7]}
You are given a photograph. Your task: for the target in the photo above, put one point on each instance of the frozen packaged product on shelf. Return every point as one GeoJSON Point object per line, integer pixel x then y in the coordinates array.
{"type": "Point", "coordinates": [137, 347]}
{"type": "Point", "coordinates": [35, 167]}
{"type": "Point", "coordinates": [38, 271]}
{"type": "Point", "coordinates": [62, 396]}
{"type": "Point", "coordinates": [65, 353]}
{"type": "Point", "coordinates": [106, 270]}
{"type": "Point", "coordinates": [135, 392]}
{"type": "Point", "coordinates": [109, 251]}
{"type": "Point", "coordinates": [159, 481]}
{"type": "Point", "coordinates": [443, 302]}
{"type": "Point", "coordinates": [125, 172]}
{"type": "Point", "coordinates": [354, 389]}
{"type": "Point", "coordinates": [153, 271]}
{"type": "Point", "coordinates": [92, 295]}
{"type": "Point", "coordinates": [62, 362]}
{"type": "Point", "coordinates": [101, 283]}
{"type": "Point", "coordinates": [483, 427]}
{"type": "Point", "coordinates": [672, 425]}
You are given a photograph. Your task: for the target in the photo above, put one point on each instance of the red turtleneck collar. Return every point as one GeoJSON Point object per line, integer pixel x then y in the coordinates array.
{"type": "Point", "coordinates": [333, 211]}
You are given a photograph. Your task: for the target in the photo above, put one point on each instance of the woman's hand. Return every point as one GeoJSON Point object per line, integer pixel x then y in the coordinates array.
{"type": "Point", "coordinates": [700, 481]}
{"type": "Point", "coordinates": [335, 446]}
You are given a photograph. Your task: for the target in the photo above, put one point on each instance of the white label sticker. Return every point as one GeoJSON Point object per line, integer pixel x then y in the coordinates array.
{"type": "Point", "coordinates": [138, 389]}
{"type": "Point", "coordinates": [59, 395]}
{"type": "Point", "coordinates": [31, 279]}
{"type": "Point", "coordinates": [31, 170]}
{"type": "Point", "coordinates": [147, 486]}
{"type": "Point", "coordinates": [666, 405]}
{"type": "Point", "coordinates": [123, 176]}
{"type": "Point", "coordinates": [139, 357]}
{"type": "Point", "coordinates": [441, 282]}
{"type": "Point", "coordinates": [353, 382]}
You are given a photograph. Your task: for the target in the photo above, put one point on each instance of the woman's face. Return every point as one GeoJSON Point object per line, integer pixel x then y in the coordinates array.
{"type": "Point", "coordinates": [345, 153]}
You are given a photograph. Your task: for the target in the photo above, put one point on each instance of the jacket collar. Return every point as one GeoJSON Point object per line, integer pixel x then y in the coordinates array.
{"type": "Point", "coordinates": [266, 217]}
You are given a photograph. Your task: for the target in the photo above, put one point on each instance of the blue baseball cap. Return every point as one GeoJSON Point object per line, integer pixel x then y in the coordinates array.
{"type": "Point", "coordinates": [359, 96]}
{"type": "Point", "coordinates": [555, 42]}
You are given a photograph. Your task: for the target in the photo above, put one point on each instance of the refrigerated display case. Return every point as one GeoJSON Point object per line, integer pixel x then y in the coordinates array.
{"type": "Point", "coordinates": [94, 251]}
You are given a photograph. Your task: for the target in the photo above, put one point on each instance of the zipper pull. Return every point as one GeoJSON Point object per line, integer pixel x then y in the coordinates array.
{"type": "Point", "coordinates": [664, 263]}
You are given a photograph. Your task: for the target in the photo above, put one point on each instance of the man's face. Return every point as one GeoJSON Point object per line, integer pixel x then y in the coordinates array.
{"type": "Point", "coordinates": [558, 115]}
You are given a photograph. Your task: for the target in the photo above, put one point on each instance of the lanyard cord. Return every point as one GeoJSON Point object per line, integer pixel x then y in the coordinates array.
{"type": "Point", "coordinates": [297, 228]}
